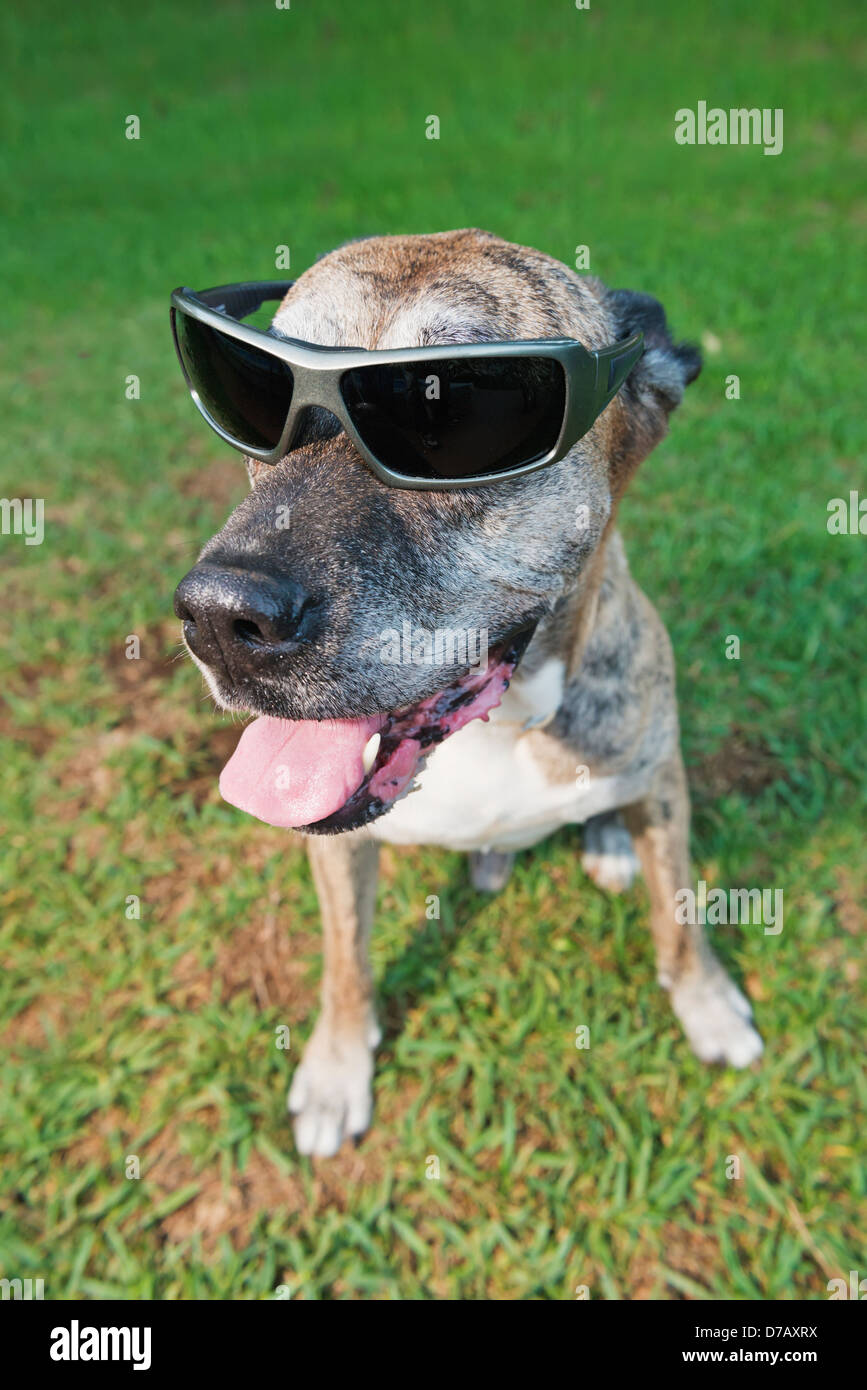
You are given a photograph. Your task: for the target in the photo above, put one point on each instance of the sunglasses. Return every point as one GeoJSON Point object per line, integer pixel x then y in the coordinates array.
{"type": "Point", "coordinates": [432, 417]}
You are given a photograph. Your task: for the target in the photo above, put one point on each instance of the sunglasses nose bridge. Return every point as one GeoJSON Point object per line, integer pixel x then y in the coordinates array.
{"type": "Point", "coordinates": [314, 385]}
{"type": "Point", "coordinates": [315, 391]}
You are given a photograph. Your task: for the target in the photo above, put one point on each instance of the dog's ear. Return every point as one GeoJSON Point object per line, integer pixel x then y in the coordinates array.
{"type": "Point", "coordinates": [656, 385]}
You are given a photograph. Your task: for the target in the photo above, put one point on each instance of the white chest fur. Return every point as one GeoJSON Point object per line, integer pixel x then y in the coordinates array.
{"type": "Point", "coordinates": [490, 786]}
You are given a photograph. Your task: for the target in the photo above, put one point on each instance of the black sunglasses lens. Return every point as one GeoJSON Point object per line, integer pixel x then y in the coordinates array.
{"type": "Point", "coordinates": [460, 417]}
{"type": "Point", "coordinates": [244, 390]}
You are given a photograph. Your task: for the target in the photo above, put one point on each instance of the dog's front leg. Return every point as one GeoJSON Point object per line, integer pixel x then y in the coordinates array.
{"type": "Point", "coordinates": [331, 1095]}
{"type": "Point", "coordinates": [716, 1017]}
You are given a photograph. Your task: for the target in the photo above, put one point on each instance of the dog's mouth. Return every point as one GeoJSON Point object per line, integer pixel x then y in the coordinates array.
{"type": "Point", "coordinates": [323, 776]}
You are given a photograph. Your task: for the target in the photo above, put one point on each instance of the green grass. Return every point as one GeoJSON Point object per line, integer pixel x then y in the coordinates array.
{"type": "Point", "coordinates": [155, 1037]}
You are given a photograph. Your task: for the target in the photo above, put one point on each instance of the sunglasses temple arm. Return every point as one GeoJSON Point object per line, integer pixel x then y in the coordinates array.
{"type": "Point", "coordinates": [241, 300]}
{"type": "Point", "coordinates": [613, 365]}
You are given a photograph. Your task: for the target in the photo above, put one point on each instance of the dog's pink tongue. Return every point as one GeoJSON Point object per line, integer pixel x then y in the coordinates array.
{"type": "Point", "coordinates": [290, 774]}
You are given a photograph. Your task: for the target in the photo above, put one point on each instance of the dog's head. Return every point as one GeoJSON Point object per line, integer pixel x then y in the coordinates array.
{"type": "Point", "coordinates": [365, 622]}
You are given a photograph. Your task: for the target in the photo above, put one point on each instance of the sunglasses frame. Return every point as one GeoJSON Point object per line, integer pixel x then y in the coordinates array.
{"type": "Point", "coordinates": [592, 377]}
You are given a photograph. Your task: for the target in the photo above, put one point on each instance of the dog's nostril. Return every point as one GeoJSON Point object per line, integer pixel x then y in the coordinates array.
{"type": "Point", "coordinates": [187, 620]}
{"type": "Point", "coordinates": [249, 632]}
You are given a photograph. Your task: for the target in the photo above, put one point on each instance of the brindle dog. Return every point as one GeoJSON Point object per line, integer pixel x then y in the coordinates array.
{"type": "Point", "coordinates": [588, 729]}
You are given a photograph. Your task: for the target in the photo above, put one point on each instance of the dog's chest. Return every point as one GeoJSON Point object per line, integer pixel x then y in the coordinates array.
{"type": "Point", "coordinates": [498, 785]}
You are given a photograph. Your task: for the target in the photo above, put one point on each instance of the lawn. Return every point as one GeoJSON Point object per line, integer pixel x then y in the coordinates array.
{"type": "Point", "coordinates": [148, 1043]}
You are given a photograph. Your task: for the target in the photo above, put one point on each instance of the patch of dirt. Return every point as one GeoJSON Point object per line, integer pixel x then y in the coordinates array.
{"type": "Point", "coordinates": [24, 681]}
{"type": "Point", "coordinates": [28, 1028]}
{"type": "Point", "coordinates": [226, 1209]}
{"type": "Point", "coordinates": [158, 644]}
{"type": "Point", "coordinates": [149, 708]}
{"type": "Point", "coordinates": [270, 962]}
{"type": "Point", "coordinates": [743, 764]}
{"type": "Point", "coordinates": [266, 959]}
{"type": "Point", "coordinates": [233, 1209]}
{"type": "Point", "coordinates": [87, 774]}
{"type": "Point", "coordinates": [103, 1140]}
{"type": "Point", "coordinates": [37, 738]}
{"type": "Point", "coordinates": [222, 480]}
{"type": "Point", "coordinates": [90, 778]}
{"type": "Point", "coordinates": [688, 1250]}
{"type": "Point", "coordinates": [89, 781]}
{"type": "Point", "coordinates": [849, 903]}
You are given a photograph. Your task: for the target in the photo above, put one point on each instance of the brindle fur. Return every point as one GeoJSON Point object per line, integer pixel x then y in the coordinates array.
{"type": "Point", "coordinates": [492, 557]}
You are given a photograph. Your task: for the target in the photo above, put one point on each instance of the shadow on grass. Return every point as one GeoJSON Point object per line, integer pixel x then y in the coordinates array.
{"type": "Point", "coordinates": [417, 971]}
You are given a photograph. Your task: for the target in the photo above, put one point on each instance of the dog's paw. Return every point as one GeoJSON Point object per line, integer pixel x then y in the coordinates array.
{"type": "Point", "coordinates": [331, 1096]}
{"type": "Point", "coordinates": [490, 869]}
{"type": "Point", "coordinates": [717, 1020]}
{"type": "Point", "coordinates": [608, 857]}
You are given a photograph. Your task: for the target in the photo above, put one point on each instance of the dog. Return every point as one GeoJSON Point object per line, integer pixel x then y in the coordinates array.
{"type": "Point", "coordinates": [586, 728]}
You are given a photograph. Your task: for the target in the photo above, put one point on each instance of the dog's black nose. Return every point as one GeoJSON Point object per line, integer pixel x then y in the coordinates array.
{"type": "Point", "coordinates": [242, 621]}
